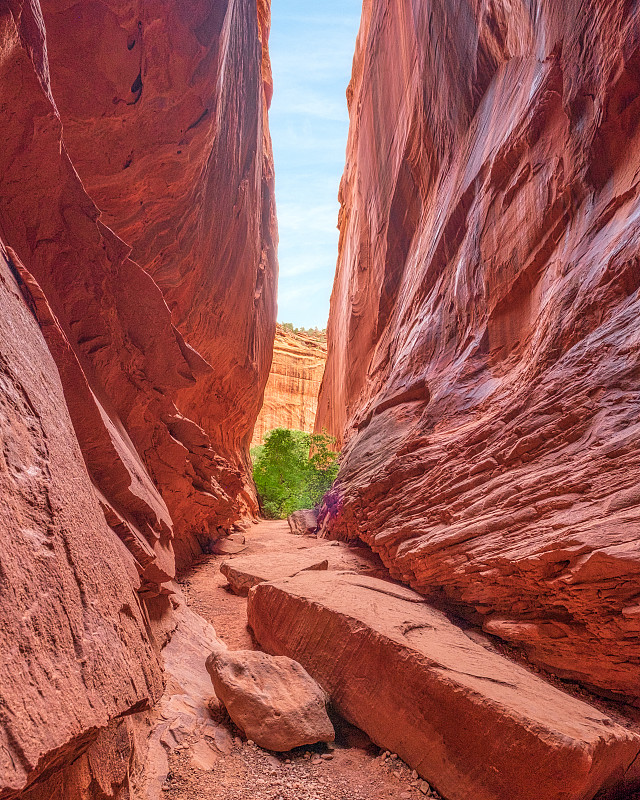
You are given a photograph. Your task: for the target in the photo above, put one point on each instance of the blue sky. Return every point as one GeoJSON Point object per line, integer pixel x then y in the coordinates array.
{"type": "Point", "coordinates": [311, 46]}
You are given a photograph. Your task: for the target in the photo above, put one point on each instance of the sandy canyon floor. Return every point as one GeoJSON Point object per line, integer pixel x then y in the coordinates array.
{"type": "Point", "coordinates": [223, 766]}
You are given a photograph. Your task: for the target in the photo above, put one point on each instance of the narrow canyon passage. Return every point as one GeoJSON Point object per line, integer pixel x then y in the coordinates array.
{"type": "Point", "coordinates": [452, 608]}
{"type": "Point", "coordinates": [210, 758]}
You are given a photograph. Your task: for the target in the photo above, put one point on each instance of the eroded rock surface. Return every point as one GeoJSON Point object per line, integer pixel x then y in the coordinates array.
{"type": "Point", "coordinates": [271, 698]}
{"type": "Point", "coordinates": [170, 138]}
{"type": "Point", "coordinates": [483, 343]}
{"type": "Point", "coordinates": [469, 721]}
{"type": "Point", "coordinates": [116, 464]}
{"type": "Point", "coordinates": [291, 393]}
{"type": "Point", "coordinates": [76, 652]}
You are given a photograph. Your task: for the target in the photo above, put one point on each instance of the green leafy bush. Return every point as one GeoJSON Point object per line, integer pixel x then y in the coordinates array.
{"type": "Point", "coordinates": [293, 470]}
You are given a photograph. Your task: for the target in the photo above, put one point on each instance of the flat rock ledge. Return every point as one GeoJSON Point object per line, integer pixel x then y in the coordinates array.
{"type": "Point", "coordinates": [475, 725]}
{"type": "Point", "coordinates": [246, 571]}
{"type": "Point", "coordinates": [271, 698]}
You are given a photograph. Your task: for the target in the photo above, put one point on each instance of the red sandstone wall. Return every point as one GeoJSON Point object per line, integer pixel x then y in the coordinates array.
{"type": "Point", "coordinates": [483, 337]}
{"type": "Point", "coordinates": [160, 425]}
{"type": "Point", "coordinates": [166, 123]}
{"type": "Point", "coordinates": [137, 292]}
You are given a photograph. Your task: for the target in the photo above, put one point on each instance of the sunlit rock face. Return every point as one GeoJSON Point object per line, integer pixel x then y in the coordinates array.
{"type": "Point", "coordinates": [130, 379]}
{"type": "Point", "coordinates": [483, 337]}
{"type": "Point", "coordinates": [76, 650]}
{"type": "Point", "coordinates": [149, 120]}
{"type": "Point", "coordinates": [291, 394]}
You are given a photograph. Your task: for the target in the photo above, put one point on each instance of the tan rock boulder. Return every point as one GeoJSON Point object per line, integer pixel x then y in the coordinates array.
{"type": "Point", "coordinates": [472, 723]}
{"type": "Point", "coordinates": [304, 521]}
{"type": "Point", "coordinates": [244, 572]}
{"type": "Point", "coordinates": [272, 699]}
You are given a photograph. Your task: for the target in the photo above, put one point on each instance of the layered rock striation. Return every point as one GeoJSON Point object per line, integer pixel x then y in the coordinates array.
{"type": "Point", "coordinates": [138, 305]}
{"type": "Point", "coordinates": [483, 344]}
{"type": "Point", "coordinates": [467, 719]}
{"type": "Point", "coordinates": [76, 649]}
{"type": "Point", "coordinates": [291, 394]}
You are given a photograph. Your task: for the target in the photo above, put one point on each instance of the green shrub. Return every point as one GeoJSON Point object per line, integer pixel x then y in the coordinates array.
{"type": "Point", "coordinates": [293, 470]}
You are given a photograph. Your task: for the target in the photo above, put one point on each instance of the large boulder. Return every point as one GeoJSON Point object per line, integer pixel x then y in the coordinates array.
{"type": "Point", "coordinates": [244, 572]}
{"type": "Point", "coordinates": [272, 699]}
{"type": "Point", "coordinates": [471, 722]}
{"type": "Point", "coordinates": [303, 522]}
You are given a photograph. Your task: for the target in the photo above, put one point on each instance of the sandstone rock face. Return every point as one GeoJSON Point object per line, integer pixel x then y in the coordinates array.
{"type": "Point", "coordinates": [96, 104]}
{"type": "Point", "coordinates": [76, 653]}
{"type": "Point", "coordinates": [244, 572]}
{"type": "Point", "coordinates": [171, 140]}
{"type": "Point", "coordinates": [482, 341]}
{"type": "Point", "coordinates": [163, 434]}
{"type": "Point", "coordinates": [272, 699]}
{"type": "Point", "coordinates": [291, 394]}
{"type": "Point", "coordinates": [469, 721]}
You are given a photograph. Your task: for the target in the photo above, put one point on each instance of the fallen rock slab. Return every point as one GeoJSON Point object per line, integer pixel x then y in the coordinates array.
{"type": "Point", "coordinates": [244, 572]}
{"type": "Point", "coordinates": [304, 522]}
{"type": "Point", "coordinates": [271, 698]}
{"type": "Point", "coordinates": [472, 723]}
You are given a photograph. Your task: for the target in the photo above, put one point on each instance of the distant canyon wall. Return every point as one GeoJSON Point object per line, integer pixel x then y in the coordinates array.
{"type": "Point", "coordinates": [137, 286]}
{"type": "Point", "coordinates": [483, 338]}
{"type": "Point", "coordinates": [291, 394]}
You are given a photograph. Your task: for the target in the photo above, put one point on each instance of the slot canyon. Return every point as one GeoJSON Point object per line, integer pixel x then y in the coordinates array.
{"type": "Point", "coordinates": [459, 618]}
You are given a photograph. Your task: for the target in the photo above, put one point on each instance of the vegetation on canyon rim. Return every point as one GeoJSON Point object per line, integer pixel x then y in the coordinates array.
{"type": "Point", "coordinates": [293, 470]}
{"type": "Point", "coordinates": [313, 333]}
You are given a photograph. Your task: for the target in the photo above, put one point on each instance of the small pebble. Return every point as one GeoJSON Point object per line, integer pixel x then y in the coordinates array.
{"type": "Point", "coordinates": [250, 742]}
{"type": "Point", "coordinates": [414, 774]}
{"type": "Point", "coordinates": [327, 756]}
{"type": "Point", "coordinates": [393, 756]}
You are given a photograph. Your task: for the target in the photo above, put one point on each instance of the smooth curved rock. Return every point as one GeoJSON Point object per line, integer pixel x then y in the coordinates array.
{"type": "Point", "coordinates": [272, 699]}
{"type": "Point", "coordinates": [472, 723]}
{"type": "Point", "coordinates": [170, 138]}
{"type": "Point", "coordinates": [482, 341]}
{"type": "Point", "coordinates": [162, 432]}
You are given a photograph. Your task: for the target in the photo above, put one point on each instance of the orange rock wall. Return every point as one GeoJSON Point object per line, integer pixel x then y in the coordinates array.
{"type": "Point", "coordinates": [291, 394]}
{"type": "Point", "coordinates": [160, 425]}
{"type": "Point", "coordinates": [483, 338]}
{"type": "Point", "coordinates": [137, 289]}
{"type": "Point", "coordinates": [170, 138]}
